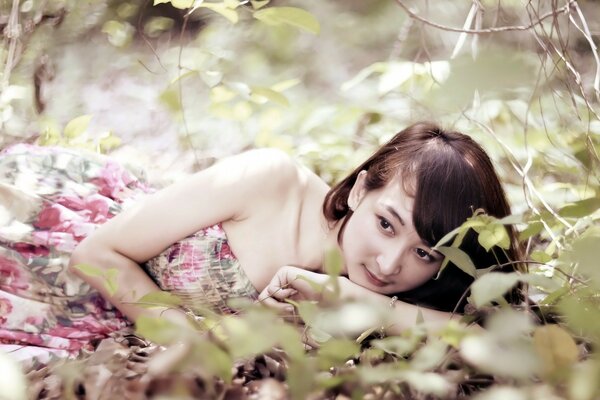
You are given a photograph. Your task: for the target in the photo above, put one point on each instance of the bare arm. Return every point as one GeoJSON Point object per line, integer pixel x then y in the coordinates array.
{"type": "Point", "coordinates": [285, 284]}
{"type": "Point", "coordinates": [229, 190]}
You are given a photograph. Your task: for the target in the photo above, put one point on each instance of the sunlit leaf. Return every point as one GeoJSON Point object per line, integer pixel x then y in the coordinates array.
{"type": "Point", "coordinates": [158, 330]}
{"type": "Point", "coordinates": [258, 4]}
{"type": "Point", "coordinates": [533, 228]}
{"type": "Point", "coordinates": [585, 252]}
{"type": "Point", "coordinates": [336, 352]}
{"type": "Point", "coordinates": [222, 9]}
{"type": "Point", "coordinates": [261, 94]}
{"type": "Point", "coordinates": [491, 286]}
{"type": "Point", "coordinates": [77, 126]}
{"type": "Point", "coordinates": [157, 25]}
{"type": "Point", "coordinates": [494, 235]}
{"type": "Point", "coordinates": [580, 208]}
{"type": "Point", "coordinates": [583, 382]}
{"type": "Point", "coordinates": [181, 4]}
{"type": "Point", "coordinates": [292, 16]}
{"type": "Point", "coordinates": [333, 262]}
{"type": "Point", "coordinates": [398, 345]}
{"type": "Point", "coordinates": [556, 348]}
{"type": "Point", "coordinates": [501, 392]}
{"type": "Point", "coordinates": [364, 74]}
{"type": "Point", "coordinates": [429, 356]}
{"type": "Point", "coordinates": [89, 270]}
{"type": "Point", "coordinates": [458, 258]}
{"type": "Point", "coordinates": [495, 355]}
{"type": "Point", "coordinates": [213, 359]}
{"type": "Point", "coordinates": [301, 377]}
{"type": "Point", "coordinates": [111, 284]}
{"type": "Point", "coordinates": [159, 298]}
{"type": "Point", "coordinates": [119, 33]}
{"type": "Point", "coordinates": [108, 142]}
{"type": "Point", "coordinates": [582, 315]}
{"type": "Point", "coordinates": [540, 256]}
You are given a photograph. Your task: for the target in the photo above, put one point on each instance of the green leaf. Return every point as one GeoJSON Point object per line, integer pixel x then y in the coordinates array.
{"type": "Point", "coordinates": [109, 142]}
{"type": "Point", "coordinates": [212, 359]}
{"type": "Point", "coordinates": [180, 4]}
{"type": "Point", "coordinates": [540, 256]}
{"type": "Point", "coordinates": [556, 348]}
{"type": "Point", "coordinates": [293, 16]}
{"type": "Point", "coordinates": [458, 258]}
{"type": "Point", "coordinates": [491, 286]}
{"type": "Point", "coordinates": [159, 298]}
{"type": "Point", "coordinates": [581, 208]}
{"type": "Point", "coordinates": [398, 345]}
{"type": "Point", "coordinates": [77, 126]}
{"type": "Point", "coordinates": [336, 351]}
{"type": "Point", "coordinates": [90, 270]}
{"type": "Point", "coordinates": [111, 283]}
{"type": "Point", "coordinates": [223, 9]}
{"type": "Point", "coordinates": [158, 330]}
{"type": "Point", "coordinates": [533, 228]}
{"type": "Point", "coordinates": [494, 235]}
{"type": "Point", "coordinates": [258, 4]}
{"type": "Point", "coordinates": [333, 262]}
{"type": "Point", "coordinates": [119, 33]}
{"type": "Point", "coordinates": [262, 94]}
{"type": "Point", "coordinates": [585, 252]}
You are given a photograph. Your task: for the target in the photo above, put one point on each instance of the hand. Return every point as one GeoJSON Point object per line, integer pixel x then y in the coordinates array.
{"type": "Point", "coordinates": [295, 284]}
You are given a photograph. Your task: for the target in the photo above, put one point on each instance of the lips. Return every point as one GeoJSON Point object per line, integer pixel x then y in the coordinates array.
{"type": "Point", "coordinates": [373, 279]}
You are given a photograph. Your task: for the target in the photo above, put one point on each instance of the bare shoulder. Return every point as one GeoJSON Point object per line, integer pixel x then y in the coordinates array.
{"type": "Point", "coordinates": [264, 171]}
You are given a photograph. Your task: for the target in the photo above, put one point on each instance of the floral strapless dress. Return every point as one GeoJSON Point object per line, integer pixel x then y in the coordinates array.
{"type": "Point", "coordinates": [50, 200]}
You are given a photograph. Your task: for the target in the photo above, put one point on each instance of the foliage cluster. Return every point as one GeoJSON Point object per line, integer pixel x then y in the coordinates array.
{"type": "Point", "coordinates": [327, 82]}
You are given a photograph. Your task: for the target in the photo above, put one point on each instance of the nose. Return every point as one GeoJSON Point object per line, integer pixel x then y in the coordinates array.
{"type": "Point", "coordinates": [390, 261]}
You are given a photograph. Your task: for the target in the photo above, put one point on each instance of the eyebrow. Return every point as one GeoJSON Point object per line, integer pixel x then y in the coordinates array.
{"type": "Point", "coordinates": [395, 214]}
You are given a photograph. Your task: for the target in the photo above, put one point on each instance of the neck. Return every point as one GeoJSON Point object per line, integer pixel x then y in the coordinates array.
{"type": "Point", "coordinates": [330, 233]}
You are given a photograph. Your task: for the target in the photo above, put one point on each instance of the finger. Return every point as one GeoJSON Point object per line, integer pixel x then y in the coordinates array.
{"type": "Point", "coordinates": [283, 294]}
{"type": "Point", "coordinates": [281, 307]}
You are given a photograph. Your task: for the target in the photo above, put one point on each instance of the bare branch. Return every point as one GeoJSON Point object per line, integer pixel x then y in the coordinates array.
{"type": "Point", "coordinates": [564, 9]}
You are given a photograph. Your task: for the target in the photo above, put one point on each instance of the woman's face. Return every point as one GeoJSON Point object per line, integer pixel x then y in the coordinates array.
{"type": "Point", "coordinates": [381, 248]}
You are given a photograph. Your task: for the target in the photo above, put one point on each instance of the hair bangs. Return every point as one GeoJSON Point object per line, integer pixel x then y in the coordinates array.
{"type": "Point", "coordinates": [446, 194]}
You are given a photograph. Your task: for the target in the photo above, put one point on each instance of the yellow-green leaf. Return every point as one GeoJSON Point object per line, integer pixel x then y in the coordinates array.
{"type": "Point", "coordinates": [111, 284]}
{"type": "Point", "coordinates": [458, 258]}
{"type": "Point", "coordinates": [293, 16]}
{"type": "Point", "coordinates": [89, 270]}
{"type": "Point", "coordinates": [77, 126]}
{"type": "Point", "coordinates": [257, 4]}
{"type": "Point", "coordinates": [181, 4]}
{"type": "Point", "coordinates": [333, 262]}
{"type": "Point", "coordinates": [223, 9]}
{"type": "Point", "coordinates": [556, 348]}
{"type": "Point", "coordinates": [261, 94]}
{"type": "Point", "coordinates": [158, 330]}
{"type": "Point", "coordinates": [580, 208]}
{"type": "Point", "coordinates": [492, 286]}
{"type": "Point", "coordinates": [494, 235]}
{"type": "Point", "coordinates": [159, 298]}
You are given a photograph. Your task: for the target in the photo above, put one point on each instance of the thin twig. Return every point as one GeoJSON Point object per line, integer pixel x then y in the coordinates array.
{"type": "Point", "coordinates": [531, 25]}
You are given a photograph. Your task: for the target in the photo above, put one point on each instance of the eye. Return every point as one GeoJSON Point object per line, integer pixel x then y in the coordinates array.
{"type": "Point", "coordinates": [424, 255]}
{"type": "Point", "coordinates": [385, 225]}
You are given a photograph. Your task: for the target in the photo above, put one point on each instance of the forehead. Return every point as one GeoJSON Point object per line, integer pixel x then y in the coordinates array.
{"type": "Point", "coordinates": [395, 194]}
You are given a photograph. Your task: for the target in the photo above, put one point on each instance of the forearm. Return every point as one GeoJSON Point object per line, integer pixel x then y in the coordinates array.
{"type": "Point", "coordinates": [402, 315]}
{"type": "Point", "coordinates": [130, 283]}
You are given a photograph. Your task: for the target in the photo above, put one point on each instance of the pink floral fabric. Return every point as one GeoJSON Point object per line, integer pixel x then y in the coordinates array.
{"type": "Point", "coordinates": [50, 200]}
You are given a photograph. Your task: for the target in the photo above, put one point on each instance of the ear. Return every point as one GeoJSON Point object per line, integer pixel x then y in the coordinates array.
{"type": "Point", "coordinates": [358, 190]}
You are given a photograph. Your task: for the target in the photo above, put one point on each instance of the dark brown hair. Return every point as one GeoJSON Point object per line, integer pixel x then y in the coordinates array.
{"type": "Point", "coordinates": [450, 176]}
